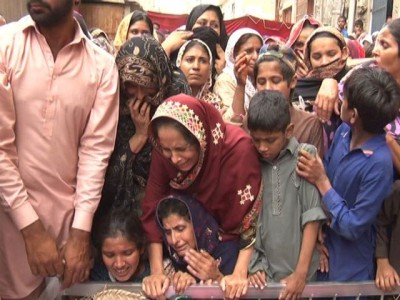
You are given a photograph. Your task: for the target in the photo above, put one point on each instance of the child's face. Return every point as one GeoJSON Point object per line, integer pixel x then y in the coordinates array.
{"type": "Point", "coordinates": [358, 29]}
{"type": "Point", "coordinates": [341, 23]}
{"type": "Point", "coordinates": [270, 144]}
{"type": "Point", "coordinates": [270, 77]}
{"type": "Point", "coordinates": [366, 45]}
{"type": "Point", "coordinates": [121, 257]}
{"type": "Point", "coordinates": [346, 113]}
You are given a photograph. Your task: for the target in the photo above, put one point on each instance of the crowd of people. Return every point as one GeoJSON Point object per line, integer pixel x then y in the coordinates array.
{"type": "Point", "coordinates": [197, 157]}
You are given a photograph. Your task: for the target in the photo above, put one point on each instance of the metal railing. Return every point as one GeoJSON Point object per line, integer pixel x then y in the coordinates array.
{"type": "Point", "coordinates": [312, 290]}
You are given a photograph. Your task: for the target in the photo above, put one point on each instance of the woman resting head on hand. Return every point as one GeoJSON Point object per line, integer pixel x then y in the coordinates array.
{"type": "Point", "coordinates": [192, 238]}
{"type": "Point", "coordinates": [146, 79]}
{"type": "Point", "coordinates": [299, 34]}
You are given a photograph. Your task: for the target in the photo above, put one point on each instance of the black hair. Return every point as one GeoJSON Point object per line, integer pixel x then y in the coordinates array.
{"type": "Point", "coordinates": [141, 16]}
{"type": "Point", "coordinates": [242, 40]}
{"type": "Point", "coordinates": [376, 96]}
{"type": "Point", "coordinates": [360, 23]}
{"type": "Point", "coordinates": [394, 28]}
{"type": "Point", "coordinates": [119, 222]}
{"type": "Point", "coordinates": [160, 36]}
{"type": "Point", "coordinates": [268, 111]}
{"type": "Point", "coordinates": [342, 17]}
{"type": "Point", "coordinates": [171, 206]}
{"type": "Point", "coordinates": [286, 71]}
{"type": "Point", "coordinates": [157, 123]}
{"type": "Point", "coordinates": [194, 43]}
{"type": "Point", "coordinates": [200, 9]}
{"type": "Point", "coordinates": [369, 51]}
{"type": "Point", "coordinates": [307, 24]}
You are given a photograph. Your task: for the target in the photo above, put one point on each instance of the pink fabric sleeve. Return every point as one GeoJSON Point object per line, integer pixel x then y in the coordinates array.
{"type": "Point", "coordinates": [13, 195]}
{"type": "Point", "coordinates": [96, 146]}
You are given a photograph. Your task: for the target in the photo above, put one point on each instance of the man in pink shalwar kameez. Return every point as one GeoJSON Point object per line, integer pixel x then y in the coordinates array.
{"type": "Point", "coordinates": [58, 116]}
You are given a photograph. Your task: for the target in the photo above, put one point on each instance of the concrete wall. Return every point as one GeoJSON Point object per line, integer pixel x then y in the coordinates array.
{"type": "Point", "coordinates": [12, 10]}
{"type": "Point", "coordinates": [396, 9]}
{"type": "Point", "coordinates": [105, 16]}
{"type": "Point", "coordinates": [288, 5]}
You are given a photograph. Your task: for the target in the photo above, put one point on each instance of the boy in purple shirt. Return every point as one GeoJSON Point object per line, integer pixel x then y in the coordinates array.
{"type": "Point", "coordinates": [358, 174]}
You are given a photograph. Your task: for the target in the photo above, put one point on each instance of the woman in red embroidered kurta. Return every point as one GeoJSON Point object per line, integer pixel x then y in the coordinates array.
{"type": "Point", "coordinates": [225, 177]}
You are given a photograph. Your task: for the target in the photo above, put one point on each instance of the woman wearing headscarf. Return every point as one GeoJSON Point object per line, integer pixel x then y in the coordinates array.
{"type": "Point", "coordinates": [133, 24]}
{"type": "Point", "coordinates": [195, 249]}
{"type": "Point", "coordinates": [100, 38]}
{"type": "Point", "coordinates": [203, 15]}
{"type": "Point", "coordinates": [197, 153]}
{"type": "Point", "coordinates": [196, 60]}
{"type": "Point", "coordinates": [242, 49]}
{"type": "Point", "coordinates": [299, 33]}
{"type": "Point", "coordinates": [210, 16]}
{"type": "Point", "coordinates": [146, 79]}
{"type": "Point", "coordinates": [322, 66]}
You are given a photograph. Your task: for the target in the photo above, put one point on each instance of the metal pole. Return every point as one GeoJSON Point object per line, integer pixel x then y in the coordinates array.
{"type": "Point", "coordinates": [351, 18]}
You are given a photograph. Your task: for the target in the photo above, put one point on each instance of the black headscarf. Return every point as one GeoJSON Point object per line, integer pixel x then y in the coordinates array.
{"type": "Point", "coordinates": [198, 10]}
{"type": "Point", "coordinates": [143, 61]}
{"type": "Point", "coordinates": [209, 36]}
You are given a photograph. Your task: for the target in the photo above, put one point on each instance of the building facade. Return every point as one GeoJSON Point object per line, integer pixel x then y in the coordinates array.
{"type": "Point", "coordinates": [373, 13]}
{"type": "Point", "coordinates": [231, 9]}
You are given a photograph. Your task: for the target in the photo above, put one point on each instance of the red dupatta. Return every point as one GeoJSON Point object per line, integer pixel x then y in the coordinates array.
{"type": "Point", "coordinates": [226, 179]}
{"type": "Point", "coordinates": [298, 28]}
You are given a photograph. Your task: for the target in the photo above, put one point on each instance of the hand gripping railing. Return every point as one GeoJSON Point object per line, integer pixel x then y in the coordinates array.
{"type": "Point", "coordinates": [312, 290]}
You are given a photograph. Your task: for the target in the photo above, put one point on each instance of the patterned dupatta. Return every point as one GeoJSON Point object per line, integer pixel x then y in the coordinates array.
{"type": "Point", "coordinates": [199, 120]}
{"type": "Point", "coordinates": [142, 61]}
{"type": "Point", "coordinates": [226, 179]}
{"type": "Point", "coordinates": [206, 228]}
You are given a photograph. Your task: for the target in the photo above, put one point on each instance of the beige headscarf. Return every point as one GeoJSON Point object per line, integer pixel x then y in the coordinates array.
{"type": "Point", "coordinates": [122, 31]}
{"type": "Point", "coordinates": [331, 69]}
{"type": "Point", "coordinates": [123, 28]}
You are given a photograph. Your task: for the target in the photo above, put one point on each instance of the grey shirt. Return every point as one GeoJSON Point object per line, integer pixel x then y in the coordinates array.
{"type": "Point", "coordinates": [289, 203]}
